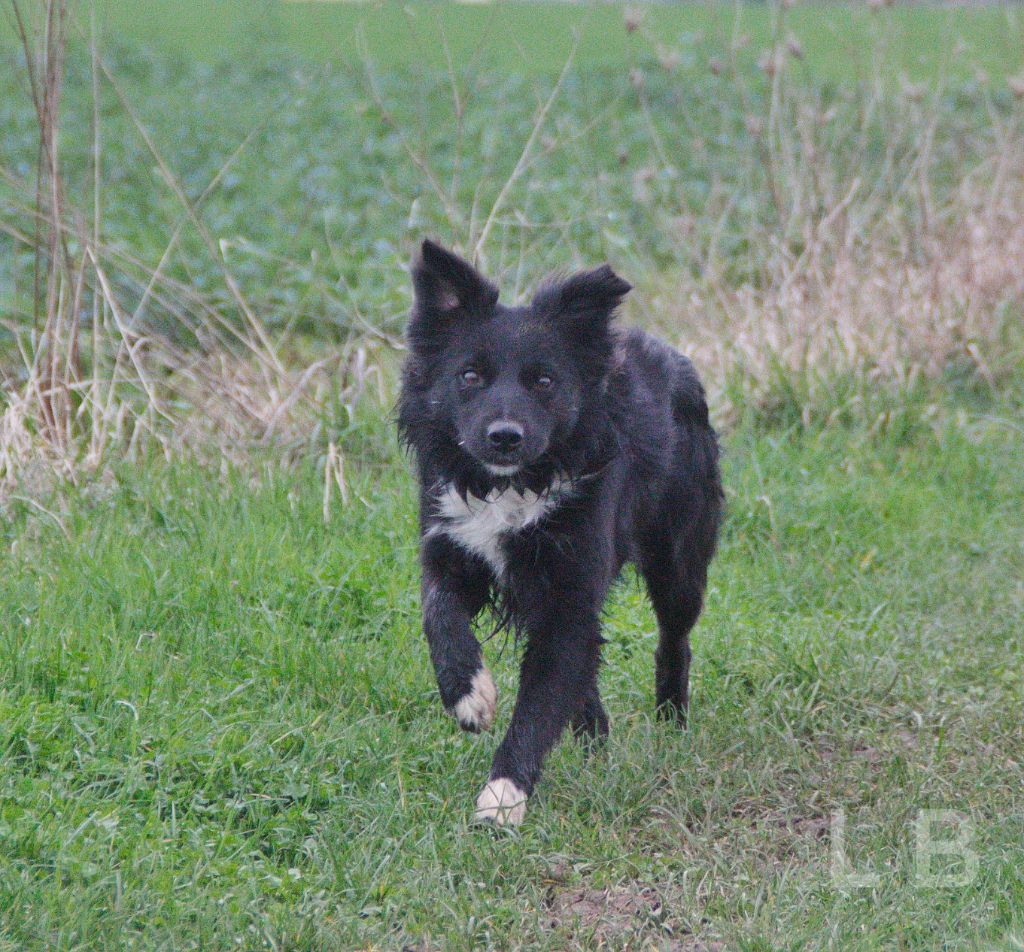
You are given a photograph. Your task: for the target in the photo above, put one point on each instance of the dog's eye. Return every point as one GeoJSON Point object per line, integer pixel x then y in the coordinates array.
{"type": "Point", "coordinates": [543, 382]}
{"type": "Point", "coordinates": [470, 378]}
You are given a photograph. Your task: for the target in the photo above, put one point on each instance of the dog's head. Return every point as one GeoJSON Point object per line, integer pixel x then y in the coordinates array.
{"type": "Point", "coordinates": [509, 383]}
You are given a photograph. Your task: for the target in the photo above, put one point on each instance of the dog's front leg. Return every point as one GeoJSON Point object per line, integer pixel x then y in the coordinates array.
{"type": "Point", "coordinates": [453, 592]}
{"type": "Point", "coordinates": [559, 666]}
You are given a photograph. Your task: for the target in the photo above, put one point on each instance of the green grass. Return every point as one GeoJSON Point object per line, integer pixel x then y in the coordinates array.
{"type": "Point", "coordinates": [318, 213]}
{"type": "Point", "coordinates": [537, 37]}
{"type": "Point", "coordinates": [218, 724]}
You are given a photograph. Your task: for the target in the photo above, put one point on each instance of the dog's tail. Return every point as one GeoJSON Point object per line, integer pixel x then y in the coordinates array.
{"type": "Point", "coordinates": [689, 402]}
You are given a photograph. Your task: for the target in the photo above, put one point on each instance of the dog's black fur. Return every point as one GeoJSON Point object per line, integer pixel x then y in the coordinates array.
{"type": "Point", "coordinates": [605, 434]}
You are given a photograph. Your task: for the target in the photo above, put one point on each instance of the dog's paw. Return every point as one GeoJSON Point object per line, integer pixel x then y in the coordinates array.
{"type": "Point", "coordinates": [475, 710]}
{"type": "Point", "coordinates": [501, 802]}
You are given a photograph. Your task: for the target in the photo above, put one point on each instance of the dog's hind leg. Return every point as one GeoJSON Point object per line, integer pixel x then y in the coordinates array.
{"type": "Point", "coordinates": [677, 604]}
{"type": "Point", "coordinates": [590, 723]}
{"type": "Point", "coordinates": [676, 550]}
{"type": "Point", "coordinates": [674, 563]}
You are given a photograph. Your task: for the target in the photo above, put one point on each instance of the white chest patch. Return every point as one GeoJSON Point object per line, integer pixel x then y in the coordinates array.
{"type": "Point", "coordinates": [480, 525]}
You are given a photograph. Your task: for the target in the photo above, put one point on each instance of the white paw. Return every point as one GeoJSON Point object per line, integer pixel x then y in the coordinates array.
{"type": "Point", "coordinates": [475, 712]}
{"type": "Point", "coordinates": [501, 802]}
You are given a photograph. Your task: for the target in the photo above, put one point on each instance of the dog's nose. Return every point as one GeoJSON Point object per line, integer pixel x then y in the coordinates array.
{"type": "Point", "coordinates": [505, 435]}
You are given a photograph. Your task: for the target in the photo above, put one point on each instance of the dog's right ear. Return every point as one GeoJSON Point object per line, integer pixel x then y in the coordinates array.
{"type": "Point", "coordinates": [443, 283]}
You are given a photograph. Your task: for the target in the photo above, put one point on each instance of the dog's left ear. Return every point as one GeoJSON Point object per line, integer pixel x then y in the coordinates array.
{"type": "Point", "coordinates": [444, 283]}
{"type": "Point", "coordinates": [587, 299]}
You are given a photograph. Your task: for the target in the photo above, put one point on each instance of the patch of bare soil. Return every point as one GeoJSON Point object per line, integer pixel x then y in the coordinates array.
{"type": "Point", "coordinates": [627, 916]}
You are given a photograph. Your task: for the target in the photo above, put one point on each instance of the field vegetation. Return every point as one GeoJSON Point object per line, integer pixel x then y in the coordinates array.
{"type": "Point", "coordinates": [218, 726]}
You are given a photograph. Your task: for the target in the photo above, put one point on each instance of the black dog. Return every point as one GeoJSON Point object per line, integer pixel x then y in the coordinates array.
{"type": "Point", "coordinates": [552, 448]}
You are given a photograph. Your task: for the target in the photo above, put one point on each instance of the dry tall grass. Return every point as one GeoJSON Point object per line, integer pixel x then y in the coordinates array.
{"type": "Point", "coordinates": [861, 282]}
{"type": "Point", "coordinates": [95, 381]}
{"type": "Point", "coordinates": [868, 303]}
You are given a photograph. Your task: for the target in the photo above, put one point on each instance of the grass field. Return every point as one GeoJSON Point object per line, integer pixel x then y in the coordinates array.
{"type": "Point", "coordinates": [537, 37]}
{"type": "Point", "coordinates": [312, 175]}
{"type": "Point", "coordinates": [218, 725]}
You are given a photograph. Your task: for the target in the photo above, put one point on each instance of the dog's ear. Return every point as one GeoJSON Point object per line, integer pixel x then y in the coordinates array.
{"type": "Point", "coordinates": [444, 283]}
{"type": "Point", "coordinates": [586, 300]}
